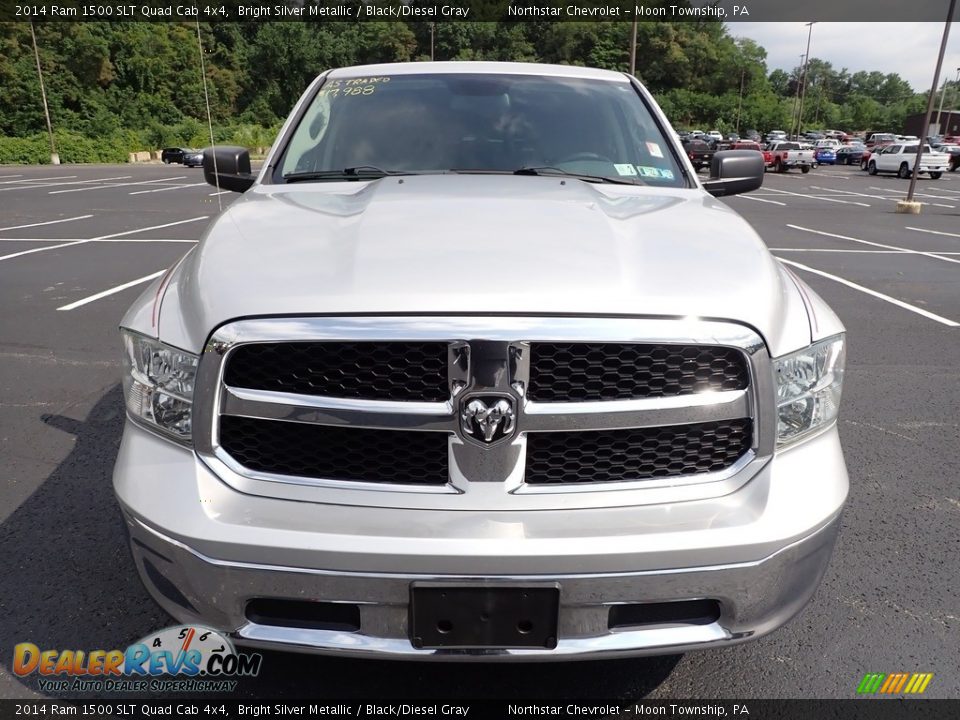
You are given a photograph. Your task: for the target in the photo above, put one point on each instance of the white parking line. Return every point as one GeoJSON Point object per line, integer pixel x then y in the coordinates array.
{"type": "Point", "coordinates": [75, 182]}
{"type": "Point", "coordinates": [113, 185]}
{"type": "Point", "coordinates": [888, 196]}
{"type": "Point", "coordinates": [750, 197]}
{"type": "Point", "coordinates": [874, 293]}
{"type": "Point", "coordinates": [9, 176]}
{"type": "Point", "coordinates": [175, 187]}
{"type": "Point", "coordinates": [111, 291]}
{"type": "Point", "coordinates": [222, 192]}
{"type": "Point", "coordinates": [934, 232]}
{"type": "Point", "coordinates": [837, 250]}
{"type": "Point", "coordinates": [917, 194]}
{"type": "Point", "coordinates": [817, 197]}
{"type": "Point", "coordinates": [55, 177]}
{"type": "Point", "coordinates": [102, 237]}
{"type": "Point", "coordinates": [935, 256]}
{"type": "Point", "coordinates": [48, 222]}
{"type": "Point", "coordinates": [98, 240]}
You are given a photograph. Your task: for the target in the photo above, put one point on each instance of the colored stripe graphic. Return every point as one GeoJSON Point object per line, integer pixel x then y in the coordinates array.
{"type": "Point", "coordinates": [894, 683]}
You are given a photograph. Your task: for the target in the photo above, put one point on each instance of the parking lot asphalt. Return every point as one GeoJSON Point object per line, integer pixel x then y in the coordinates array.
{"type": "Point", "coordinates": [78, 243]}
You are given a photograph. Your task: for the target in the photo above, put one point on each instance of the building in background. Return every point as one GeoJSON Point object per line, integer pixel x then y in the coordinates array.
{"type": "Point", "coordinates": [949, 124]}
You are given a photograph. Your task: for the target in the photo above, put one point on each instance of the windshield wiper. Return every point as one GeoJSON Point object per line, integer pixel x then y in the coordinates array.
{"type": "Point", "coordinates": [360, 172]}
{"type": "Point", "coordinates": [548, 170]}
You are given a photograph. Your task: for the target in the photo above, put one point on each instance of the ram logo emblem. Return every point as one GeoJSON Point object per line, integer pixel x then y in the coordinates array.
{"type": "Point", "coordinates": [487, 419]}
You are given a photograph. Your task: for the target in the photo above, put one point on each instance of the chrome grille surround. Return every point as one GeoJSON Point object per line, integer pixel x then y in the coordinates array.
{"type": "Point", "coordinates": [486, 355]}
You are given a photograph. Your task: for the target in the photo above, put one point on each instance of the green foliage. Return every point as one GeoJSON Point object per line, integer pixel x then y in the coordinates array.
{"type": "Point", "coordinates": [113, 88]}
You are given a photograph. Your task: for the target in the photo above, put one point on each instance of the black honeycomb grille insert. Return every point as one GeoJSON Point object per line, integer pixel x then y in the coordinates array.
{"type": "Point", "coordinates": [404, 371]}
{"type": "Point", "coordinates": [583, 372]}
{"type": "Point", "coordinates": [639, 453]}
{"type": "Point", "coordinates": [336, 453]}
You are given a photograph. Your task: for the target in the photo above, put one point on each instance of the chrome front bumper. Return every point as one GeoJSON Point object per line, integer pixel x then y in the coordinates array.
{"type": "Point", "coordinates": [204, 551]}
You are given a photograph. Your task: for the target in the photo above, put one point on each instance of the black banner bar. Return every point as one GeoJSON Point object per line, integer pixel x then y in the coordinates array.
{"type": "Point", "coordinates": [858, 11]}
{"type": "Point", "coordinates": [861, 709]}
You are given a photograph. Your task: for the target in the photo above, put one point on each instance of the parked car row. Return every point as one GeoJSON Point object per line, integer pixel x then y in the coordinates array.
{"type": "Point", "coordinates": [182, 156]}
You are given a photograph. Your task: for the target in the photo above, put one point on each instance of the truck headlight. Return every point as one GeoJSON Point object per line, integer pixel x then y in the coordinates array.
{"type": "Point", "coordinates": [809, 383]}
{"type": "Point", "coordinates": [158, 384]}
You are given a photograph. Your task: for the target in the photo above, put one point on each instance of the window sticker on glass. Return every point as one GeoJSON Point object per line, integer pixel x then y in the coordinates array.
{"type": "Point", "coordinates": [624, 169]}
{"type": "Point", "coordinates": [352, 87]}
{"type": "Point", "coordinates": [647, 171]}
{"type": "Point", "coordinates": [666, 174]}
{"type": "Point", "coordinates": [654, 149]}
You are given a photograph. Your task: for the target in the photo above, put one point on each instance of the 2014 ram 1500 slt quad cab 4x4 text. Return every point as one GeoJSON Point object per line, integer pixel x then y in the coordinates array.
{"type": "Point", "coordinates": [478, 368]}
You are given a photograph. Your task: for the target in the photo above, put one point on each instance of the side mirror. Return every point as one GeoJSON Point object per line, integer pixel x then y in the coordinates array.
{"type": "Point", "coordinates": [734, 171]}
{"type": "Point", "coordinates": [228, 167]}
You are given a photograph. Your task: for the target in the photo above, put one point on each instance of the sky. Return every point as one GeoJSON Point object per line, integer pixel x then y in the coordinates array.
{"type": "Point", "coordinates": [909, 49]}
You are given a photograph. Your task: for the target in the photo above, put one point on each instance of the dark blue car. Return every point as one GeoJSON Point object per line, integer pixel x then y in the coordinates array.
{"type": "Point", "coordinates": [825, 155]}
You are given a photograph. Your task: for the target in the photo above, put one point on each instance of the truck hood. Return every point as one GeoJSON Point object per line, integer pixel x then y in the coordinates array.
{"type": "Point", "coordinates": [447, 244]}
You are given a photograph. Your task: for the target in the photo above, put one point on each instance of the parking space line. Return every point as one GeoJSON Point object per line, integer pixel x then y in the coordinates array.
{"type": "Point", "coordinates": [749, 197]}
{"type": "Point", "coordinates": [933, 232]}
{"type": "Point", "coordinates": [102, 237]}
{"type": "Point", "coordinates": [917, 194]}
{"type": "Point", "coordinates": [888, 196]}
{"type": "Point", "coordinates": [111, 291]}
{"type": "Point", "coordinates": [114, 185]}
{"type": "Point", "coordinates": [74, 182]}
{"type": "Point", "coordinates": [55, 177]}
{"type": "Point", "coordinates": [176, 187]}
{"type": "Point", "coordinates": [222, 192]}
{"type": "Point", "coordinates": [9, 176]}
{"type": "Point", "coordinates": [98, 240]}
{"type": "Point", "coordinates": [817, 197]}
{"type": "Point", "coordinates": [861, 252]}
{"type": "Point", "coordinates": [935, 256]}
{"type": "Point", "coordinates": [48, 222]}
{"type": "Point", "coordinates": [874, 293]}
{"type": "Point", "coordinates": [837, 250]}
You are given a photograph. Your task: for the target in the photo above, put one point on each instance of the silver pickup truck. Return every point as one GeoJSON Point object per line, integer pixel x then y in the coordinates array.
{"type": "Point", "coordinates": [477, 368]}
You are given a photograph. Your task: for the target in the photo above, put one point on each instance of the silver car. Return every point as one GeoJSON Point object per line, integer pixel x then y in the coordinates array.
{"type": "Point", "coordinates": [478, 369]}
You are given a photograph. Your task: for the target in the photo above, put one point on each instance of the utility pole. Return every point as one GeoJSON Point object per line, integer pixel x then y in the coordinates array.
{"type": "Point", "coordinates": [740, 101]}
{"type": "Point", "coordinates": [942, 96]}
{"type": "Point", "coordinates": [908, 205]}
{"type": "Point", "coordinates": [54, 157]}
{"type": "Point", "coordinates": [633, 47]}
{"type": "Point", "coordinates": [796, 98]}
{"type": "Point", "coordinates": [433, 25]}
{"type": "Point", "coordinates": [803, 90]}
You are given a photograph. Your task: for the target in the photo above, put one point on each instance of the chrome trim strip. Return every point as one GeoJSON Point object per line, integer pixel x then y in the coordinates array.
{"type": "Point", "coordinates": [619, 641]}
{"type": "Point", "coordinates": [395, 415]}
{"type": "Point", "coordinates": [503, 328]}
{"type": "Point", "coordinates": [230, 464]}
{"type": "Point", "coordinates": [648, 412]}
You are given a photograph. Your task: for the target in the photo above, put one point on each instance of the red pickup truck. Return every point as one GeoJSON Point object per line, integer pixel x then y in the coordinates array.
{"type": "Point", "coordinates": [781, 156]}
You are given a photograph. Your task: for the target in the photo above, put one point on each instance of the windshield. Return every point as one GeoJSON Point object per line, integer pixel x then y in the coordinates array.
{"type": "Point", "coordinates": [482, 123]}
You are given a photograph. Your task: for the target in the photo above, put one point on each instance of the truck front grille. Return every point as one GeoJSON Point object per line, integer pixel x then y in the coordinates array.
{"type": "Point", "coordinates": [386, 410]}
{"type": "Point", "coordinates": [404, 371]}
{"type": "Point", "coordinates": [581, 372]}
{"type": "Point", "coordinates": [638, 453]}
{"type": "Point", "coordinates": [336, 453]}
